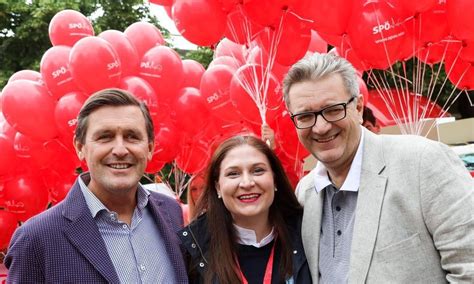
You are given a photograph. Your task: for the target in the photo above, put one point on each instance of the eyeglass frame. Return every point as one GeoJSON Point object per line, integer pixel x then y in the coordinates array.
{"type": "Point", "coordinates": [320, 112]}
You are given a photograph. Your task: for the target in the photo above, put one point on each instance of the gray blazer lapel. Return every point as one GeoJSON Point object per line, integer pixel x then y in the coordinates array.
{"type": "Point", "coordinates": [369, 206]}
{"type": "Point", "coordinates": [311, 226]}
{"type": "Point", "coordinates": [83, 233]}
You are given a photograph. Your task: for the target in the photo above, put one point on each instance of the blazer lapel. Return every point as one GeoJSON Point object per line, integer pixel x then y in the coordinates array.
{"type": "Point", "coordinates": [369, 205]}
{"type": "Point", "coordinates": [170, 238]}
{"type": "Point", "coordinates": [311, 227]}
{"type": "Point", "coordinates": [83, 233]}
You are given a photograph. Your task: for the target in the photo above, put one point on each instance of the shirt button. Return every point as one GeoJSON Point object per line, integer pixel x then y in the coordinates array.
{"type": "Point", "coordinates": [142, 267]}
{"type": "Point", "coordinates": [201, 264]}
{"type": "Point", "coordinates": [193, 246]}
{"type": "Point", "coordinates": [185, 233]}
{"type": "Point", "coordinates": [295, 252]}
{"type": "Point", "coordinates": [124, 226]}
{"type": "Point", "coordinates": [338, 208]}
{"type": "Point", "coordinates": [339, 232]}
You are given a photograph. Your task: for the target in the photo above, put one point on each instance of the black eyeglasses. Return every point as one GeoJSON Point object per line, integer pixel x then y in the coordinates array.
{"type": "Point", "coordinates": [330, 114]}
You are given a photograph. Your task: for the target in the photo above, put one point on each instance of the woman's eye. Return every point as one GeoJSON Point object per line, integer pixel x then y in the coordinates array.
{"type": "Point", "coordinates": [259, 170]}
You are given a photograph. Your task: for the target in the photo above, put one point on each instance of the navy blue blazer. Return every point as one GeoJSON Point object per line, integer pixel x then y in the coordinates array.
{"type": "Point", "coordinates": [64, 245]}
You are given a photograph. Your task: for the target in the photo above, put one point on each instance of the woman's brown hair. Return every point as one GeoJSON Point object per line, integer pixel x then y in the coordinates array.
{"type": "Point", "coordinates": [223, 240]}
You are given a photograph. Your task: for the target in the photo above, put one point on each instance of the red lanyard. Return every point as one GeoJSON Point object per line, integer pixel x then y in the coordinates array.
{"type": "Point", "coordinates": [267, 278]}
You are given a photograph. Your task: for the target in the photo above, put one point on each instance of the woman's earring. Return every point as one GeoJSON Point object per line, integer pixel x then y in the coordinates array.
{"type": "Point", "coordinates": [219, 195]}
{"type": "Point", "coordinates": [276, 189]}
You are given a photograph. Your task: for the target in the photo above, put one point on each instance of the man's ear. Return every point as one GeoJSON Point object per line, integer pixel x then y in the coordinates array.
{"type": "Point", "coordinates": [151, 149]}
{"type": "Point", "coordinates": [79, 147]}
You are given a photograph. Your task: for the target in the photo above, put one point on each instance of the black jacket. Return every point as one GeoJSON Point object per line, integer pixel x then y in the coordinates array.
{"type": "Point", "coordinates": [195, 238]}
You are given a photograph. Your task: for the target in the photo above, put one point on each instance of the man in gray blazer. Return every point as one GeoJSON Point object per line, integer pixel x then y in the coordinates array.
{"type": "Point", "coordinates": [109, 229]}
{"type": "Point", "coordinates": [377, 209]}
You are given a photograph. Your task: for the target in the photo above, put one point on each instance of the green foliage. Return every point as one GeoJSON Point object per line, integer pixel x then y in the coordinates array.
{"type": "Point", "coordinates": [24, 26]}
{"type": "Point", "coordinates": [202, 55]}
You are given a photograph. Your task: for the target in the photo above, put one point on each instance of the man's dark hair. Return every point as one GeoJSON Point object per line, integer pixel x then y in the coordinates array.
{"type": "Point", "coordinates": [110, 97]}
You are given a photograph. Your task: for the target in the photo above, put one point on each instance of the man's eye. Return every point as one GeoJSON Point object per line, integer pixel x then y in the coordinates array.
{"type": "Point", "coordinates": [304, 117]}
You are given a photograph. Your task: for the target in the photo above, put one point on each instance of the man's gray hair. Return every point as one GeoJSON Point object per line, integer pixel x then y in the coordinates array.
{"type": "Point", "coordinates": [318, 66]}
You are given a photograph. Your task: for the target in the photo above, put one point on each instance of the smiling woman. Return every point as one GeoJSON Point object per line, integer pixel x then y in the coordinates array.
{"type": "Point", "coordinates": [250, 230]}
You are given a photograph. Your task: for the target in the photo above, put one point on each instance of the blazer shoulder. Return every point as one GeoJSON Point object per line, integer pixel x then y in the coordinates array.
{"type": "Point", "coordinates": [305, 184]}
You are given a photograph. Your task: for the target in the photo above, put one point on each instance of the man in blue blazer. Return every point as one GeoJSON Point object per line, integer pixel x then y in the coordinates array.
{"type": "Point", "coordinates": [108, 229]}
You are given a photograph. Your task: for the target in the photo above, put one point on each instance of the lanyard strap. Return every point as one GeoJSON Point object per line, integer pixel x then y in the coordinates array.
{"type": "Point", "coordinates": [267, 278]}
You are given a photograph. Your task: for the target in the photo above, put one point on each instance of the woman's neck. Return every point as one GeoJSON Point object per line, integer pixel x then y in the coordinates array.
{"type": "Point", "coordinates": [261, 229]}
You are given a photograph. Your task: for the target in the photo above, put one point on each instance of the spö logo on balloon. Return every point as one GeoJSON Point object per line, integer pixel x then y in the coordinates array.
{"type": "Point", "coordinates": [72, 122]}
{"type": "Point", "coordinates": [151, 65]}
{"type": "Point", "coordinates": [113, 65]}
{"type": "Point", "coordinates": [77, 26]}
{"type": "Point", "coordinates": [214, 97]}
{"type": "Point", "coordinates": [383, 27]}
{"type": "Point", "coordinates": [59, 72]}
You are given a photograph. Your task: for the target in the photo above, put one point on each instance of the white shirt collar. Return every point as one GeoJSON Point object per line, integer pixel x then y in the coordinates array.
{"type": "Point", "coordinates": [248, 237]}
{"type": "Point", "coordinates": [321, 178]}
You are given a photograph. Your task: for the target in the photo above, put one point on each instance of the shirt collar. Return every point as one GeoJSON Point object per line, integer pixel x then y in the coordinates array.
{"type": "Point", "coordinates": [321, 178]}
{"type": "Point", "coordinates": [248, 237]}
{"type": "Point", "coordinates": [95, 205]}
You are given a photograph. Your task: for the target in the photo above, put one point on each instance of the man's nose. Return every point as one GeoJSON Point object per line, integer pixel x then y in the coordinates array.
{"type": "Point", "coordinates": [119, 148]}
{"type": "Point", "coordinates": [321, 125]}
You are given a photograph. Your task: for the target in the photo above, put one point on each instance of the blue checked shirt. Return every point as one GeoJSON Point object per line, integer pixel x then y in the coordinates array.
{"type": "Point", "coordinates": [137, 251]}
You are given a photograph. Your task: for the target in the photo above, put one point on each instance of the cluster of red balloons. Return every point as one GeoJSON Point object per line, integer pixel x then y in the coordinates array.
{"type": "Point", "coordinates": [39, 109]}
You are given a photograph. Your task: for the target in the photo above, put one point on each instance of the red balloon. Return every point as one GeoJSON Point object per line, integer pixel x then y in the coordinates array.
{"type": "Point", "coordinates": [69, 26]}
{"type": "Point", "coordinates": [255, 95]}
{"type": "Point", "coordinates": [240, 28]}
{"type": "Point", "coordinates": [94, 53]}
{"type": "Point", "coordinates": [8, 224]}
{"type": "Point", "coordinates": [265, 12]}
{"type": "Point", "coordinates": [317, 44]}
{"type": "Point", "coordinates": [459, 19]}
{"type": "Point", "coordinates": [190, 112]}
{"type": "Point", "coordinates": [8, 156]}
{"type": "Point", "coordinates": [414, 7]}
{"type": "Point", "coordinates": [25, 196]}
{"type": "Point", "coordinates": [460, 72]}
{"type": "Point", "coordinates": [58, 184]}
{"type": "Point", "coordinates": [376, 31]}
{"type": "Point", "coordinates": [228, 48]}
{"type": "Point", "coordinates": [126, 52]}
{"type": "Point", "coordinates": [29, 108]}
{"type": "Point", "coordinates": [55, 71]}
{"type": "Point", "coordinates": [215, 89]}
{"type": "Point", "coordinates": [154, 166]}
{"type": "Point", "coordinates": [227, 61]}
{"type": "Point", "coordinates": [27, 75]}
{"type": "Point", "coordinates": [350, 55]}
{"type": "Point", "coordinates": [162, 68]}
{"type": "Point", "coordinates": [202, 22]}
{"type": "Point", "coordinates": [192, 71]}
{"type": "Point", "coordinates": [259, 56]}
{"type": "Point", "coordinates": [143, 37]}
{"type": "Point", "coordinates": [329, 16]}
{"type": "Point", "coordinates": [144, 92]}
{"type": "Point", "coordinates": [193, 157]}
{"type": "Point", "coordinates": [430, 26]}
{"type": "Point", "coordinates": [65, 114]}
{"type": "Point", "coordinates": [166, 141]}
{"type": "Point", "coordinates": [432, 53]}
{"type": "Point", "coordinates": [289, 41]}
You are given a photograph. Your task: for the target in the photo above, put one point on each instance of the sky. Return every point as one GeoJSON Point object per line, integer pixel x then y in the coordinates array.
{"type": "Point", "coordinates": [177, 39]}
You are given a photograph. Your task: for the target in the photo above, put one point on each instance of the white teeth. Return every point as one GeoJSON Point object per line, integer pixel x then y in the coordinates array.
{"type": "Point", "coordinates": [326, 139]}
{"type": "Point", "coordinates": [250, 196]}
{"type": "Point", "coordinates": [119, 166]}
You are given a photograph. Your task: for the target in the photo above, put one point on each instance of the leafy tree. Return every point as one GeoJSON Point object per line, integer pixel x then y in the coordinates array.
{"type": "Point", "coordinates": [202, 55]}
{"type": "Point", "coordinates": [24, 26]}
